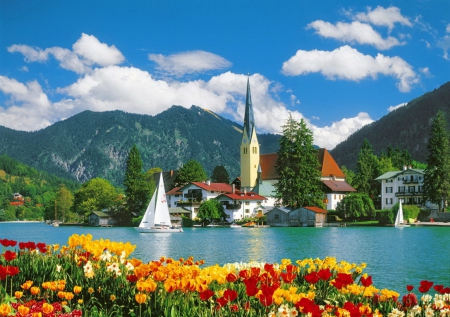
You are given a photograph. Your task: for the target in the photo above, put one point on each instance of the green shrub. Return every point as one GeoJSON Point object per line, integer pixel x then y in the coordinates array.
{"type": "Point", "coordinates": [385, 216]}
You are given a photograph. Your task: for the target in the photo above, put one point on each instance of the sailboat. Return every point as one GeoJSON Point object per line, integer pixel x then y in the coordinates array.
{"type": "Point", "coordinates": [399, 222]}
{"type": "Point", "coordinates": [157, 218]}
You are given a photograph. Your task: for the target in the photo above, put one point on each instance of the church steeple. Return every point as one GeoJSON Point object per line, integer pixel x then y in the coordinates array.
{"type": "Point", "coordinates": [249, 146]}
{"type": "Point", "coordinates": [249, 120]}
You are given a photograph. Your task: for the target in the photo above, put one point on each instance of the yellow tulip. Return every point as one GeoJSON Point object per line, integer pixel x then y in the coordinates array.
{"type": "Point", "coordinates": [140, 298]}
{"type": "Point", "coordinates": [47, 308]}
{"type": "Point", "coordinates": [77, 289]}
{"type": "Point", "coordinates": [5, 309]}
{"type": "Point", "coordinates": [23, 310]}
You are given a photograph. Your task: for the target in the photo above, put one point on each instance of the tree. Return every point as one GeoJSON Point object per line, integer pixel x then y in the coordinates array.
{"type": "Point", "coordinates": [349, 175]}
{"type": "Point", "coordinates": [367, 169]}
{"type": "Point", "coordinates": [137, 189]}
{"type": "Point", "coordinates": [192, 171]}
{"type": "Point", "coordinates": [220, 175]}
{"type": "Point", "coordinates": [210, 210]}
{"type": "Point", "coordinates": [298, 167]}
{"type": "Point", "coordinates": [64, 201]}
{"type": "Point", "coordinates": [95, 195]}
{"type": "Point", "coordinates": [356, 205]}
{"type": "Point", "coordinates": [436, 183]}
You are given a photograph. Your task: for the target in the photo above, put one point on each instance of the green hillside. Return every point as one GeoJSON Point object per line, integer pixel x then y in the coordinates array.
{"type": "Point", "coordinates": [407, 127]}
{"type": "Point", "coordinates": [96, 144]}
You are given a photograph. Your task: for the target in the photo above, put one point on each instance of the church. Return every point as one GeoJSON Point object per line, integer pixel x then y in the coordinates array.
{"type": "Point", "coordinates": [258, 172]}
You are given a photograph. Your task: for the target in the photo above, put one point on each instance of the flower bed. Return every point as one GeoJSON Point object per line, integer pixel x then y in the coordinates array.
{"type": "Point", "coordinates": [99, 278]}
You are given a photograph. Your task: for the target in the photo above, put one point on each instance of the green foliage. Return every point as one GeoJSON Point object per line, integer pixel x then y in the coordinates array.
{"type": "Point", "coordinates": [137, 186]}
{"type": "Point", "coordinates": [409, 211]}
{"type": "Point", "coordinates": [367, 171]}
{"type": "Point", "coordinates": [220, 175]}
{"type": "Point", "coordinates": [192, 171]}
{"type": "Point", "coordinates": [385, 217]}
{"type": "Point", "coordinates": [297, 165]}
{"type": "Point", "coordinates": [210, 210]}
{"type": "Point", "coordinates": [404, 127]}
{"type": "Point", "coordinates": [436, 185]}
{"type": "Point", "coordinates": [356, 205]}
{"type": "Point", "coordinates": [95, 195]}
{"type": "Point", "coordinates": [349, 175]}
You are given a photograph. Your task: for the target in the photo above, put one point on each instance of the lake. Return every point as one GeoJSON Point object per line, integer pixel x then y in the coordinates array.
{"type": "Point", "coordinates": [394, 257]}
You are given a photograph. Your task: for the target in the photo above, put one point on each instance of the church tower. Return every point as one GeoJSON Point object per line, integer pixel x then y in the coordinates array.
{"type": "Point", "coordinates": [249, 146]}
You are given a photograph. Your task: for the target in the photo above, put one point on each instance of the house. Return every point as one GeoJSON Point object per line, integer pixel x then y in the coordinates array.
{"type": "Point", "coordinates": [101, 219]}
{"type": "Point", "coordinates": [406, 185]}
{"type": "Point", "coordinates": [278, 217]}
{"type": "Point", "coordinates": [258, 171]}
{"type": "Point", "coordinates": [299, 217]}
{"type": "Point", "coordinates": [239, 205]}
{"type": "Point", "coordinates": [307, 217]}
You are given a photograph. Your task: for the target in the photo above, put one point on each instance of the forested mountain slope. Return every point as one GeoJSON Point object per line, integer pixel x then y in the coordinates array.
{"type": "Point", "coordinates": [96, 144]}
{"type": "Point", "coordinates": [407, 127]}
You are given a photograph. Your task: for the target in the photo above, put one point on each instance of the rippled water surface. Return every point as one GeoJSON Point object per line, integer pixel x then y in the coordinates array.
{"type": "Point", "coordinates": [394, 257]}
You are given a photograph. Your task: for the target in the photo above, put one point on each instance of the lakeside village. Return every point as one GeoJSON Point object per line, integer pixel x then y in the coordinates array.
{"type": "Point", "coordinates": [250, 200]}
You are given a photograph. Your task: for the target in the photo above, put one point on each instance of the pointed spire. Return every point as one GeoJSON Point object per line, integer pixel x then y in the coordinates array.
{"type": "Point", "coordinates": [249, 120]}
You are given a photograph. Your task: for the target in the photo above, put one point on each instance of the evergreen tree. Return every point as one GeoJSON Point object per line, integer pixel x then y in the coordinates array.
{"type": "Point", "coordinates": [64, 201]}
{"type": "Point", "coordinates": [436, 183]}
{"type": "Point", "coordinates": [192, 171]}
{"type": "Point", "coordinates": [298, 167]}
{"type": "Point", "coordinates": [137, 189]}
{"type": "Point", "coordinates": [220, 175]}
{"type": "Point", "coordinates": [367, 169]}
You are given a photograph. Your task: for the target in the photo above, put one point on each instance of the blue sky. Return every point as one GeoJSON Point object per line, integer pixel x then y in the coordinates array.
{"type": "Point", "coordinates": [337, 65]}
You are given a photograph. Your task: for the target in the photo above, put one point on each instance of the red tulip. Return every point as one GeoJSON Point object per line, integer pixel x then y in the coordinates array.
{"type": "Point", "coordinates": [222, 301]}
{"type": "Point", "coordinates": [230, 295]}
{"type": "Point", "coordinates": [205, 295]}
{"type": "Point", "coordinates": [425, 286]}
{"type": "Point", "coordinates": [409, 288]}
{"type": "Point", "coordinates": [231, 277]}
{"type": "Point", "coordinates": [366, 281]}
{"type": "Point", "coordinates": [325, 274]}
{"type": "Point", "coordinates": [9, 255]}
{"type": "Point", "coordinates": [132, 278]}
{"type": "Point", "coordinates": [312, 278]}
{"type": "Point", "coordinates": [410, 300]}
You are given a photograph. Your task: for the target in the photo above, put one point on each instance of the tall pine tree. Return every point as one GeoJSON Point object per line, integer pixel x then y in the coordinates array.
{"type": "Point", "coordinates": [298, 167]}
{"type": "Point", "coordinates": [137, 189]}
{"type": "Point", "coordinates": [367, 169]}
{"type": "Point", "coordinates": [436, 183]}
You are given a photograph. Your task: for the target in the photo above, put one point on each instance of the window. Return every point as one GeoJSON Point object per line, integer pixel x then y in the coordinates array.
{"type": "Point", "coordinates": [401, 189]}
{"type": "Point", "coordinates": [389, 201]}
{"type": "Point", "coordinates": [247, 211]}
{"type": "Point", "coordinates": [247, 203]}
{"type": "Point", "coordinates": [388, 190]}
{"type": "Point", "coordinates": [411, 189]}
{"type": "Point", "coordinates": [390, 180]}
{"type": "Point", "coordinates": [276, 217]}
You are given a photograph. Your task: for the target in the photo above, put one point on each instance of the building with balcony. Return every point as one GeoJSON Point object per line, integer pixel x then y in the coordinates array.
{"type": "Point", "coordinates": [406, 185]}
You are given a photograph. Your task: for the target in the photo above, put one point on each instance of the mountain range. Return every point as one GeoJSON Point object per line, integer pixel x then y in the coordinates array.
{"type": "Point", "coordinates": [96, 144]}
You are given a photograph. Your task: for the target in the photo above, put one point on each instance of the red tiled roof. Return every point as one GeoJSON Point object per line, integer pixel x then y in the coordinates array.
{"type": "Point", "coordinates": [328, 165]}
{"type": "Point", "coordinates": [220, 187]}
{"type": "Point", "coordinates": [316, 209]}
{"type": "Point", "coordinates": [174, 191]}
{"type": "Point", "coordinates": [244, 196]}
{"type": "Point", "coordinates": [338, 186]}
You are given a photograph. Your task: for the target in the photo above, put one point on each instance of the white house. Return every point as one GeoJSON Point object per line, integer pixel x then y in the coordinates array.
{"type": "Point", "coordinates": [239, 205]}
{"type": "Point", "coordinates": [406, 185]}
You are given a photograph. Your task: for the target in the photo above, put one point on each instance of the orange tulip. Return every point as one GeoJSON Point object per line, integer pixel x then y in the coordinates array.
{"type": "Point", "coordinates": [27, 285]}
{"type": "Point", "coordinates": [35, 290]}
{"type": "Point", "coordinates": [23, 310]}
{"type": "Point", "coordinates": [77, 289]}
{"type": "Point", "coordinates": [47, 308]}
{"type": "Point", "coordinates": [18, 294]}
{"type": "Point", "coordinates": [5, 309]}
{"type": "Point", "coordinates": [140, 298]}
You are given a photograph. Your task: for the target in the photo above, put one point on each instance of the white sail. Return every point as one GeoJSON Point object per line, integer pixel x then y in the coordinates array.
{"type": "Point", "coordinates": [162, 216]}
{"type": "Point", "coordinates": [149, 217]}
{"type": "Point", "coordinates": [399, 219]}
{"type": "Point", "coordinates": [157, 218]}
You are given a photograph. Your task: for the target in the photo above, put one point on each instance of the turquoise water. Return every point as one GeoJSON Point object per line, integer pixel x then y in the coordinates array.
{"type": "Point", "coordinates": [394, 257]}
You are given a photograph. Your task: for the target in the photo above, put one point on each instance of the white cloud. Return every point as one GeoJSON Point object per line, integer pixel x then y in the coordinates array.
{"type": "Point", "coordinates": [384, 17]}
{"type": "Point", "coordinates": [87, 52]}
{"type": "Point", "coordinates": [392, 108]}
{"type": "Point", "coordinates": [330, 136]}
{"type": "Point", "coordinates": [349, 64]}
{"type": "Point", "coordinates": [28, 107]}
{"type": "Point", "coordinates": [189, 62]}
{"type": "Point", "coordinates": [447, 29]}
{"type": "Point", "coordinates": [444, 43]}
{"type": "Point", "coordinates": [355, 32]}
{"type": "Point", "coordinates": [426, 72]}
{"type": "Point", "coordinates": [90, 48]}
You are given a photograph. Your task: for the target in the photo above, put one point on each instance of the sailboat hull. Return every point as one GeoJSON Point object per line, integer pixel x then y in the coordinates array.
{"type": "Point", "coordinates": [157, 230]}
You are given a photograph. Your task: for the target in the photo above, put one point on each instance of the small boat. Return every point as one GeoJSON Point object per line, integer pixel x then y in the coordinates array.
{"type": "Point", "coordinates": [157, 218]}
{"type": "Point", "coordinates": [399, 222]}
{"type": "Point", "coordinates": [235, 225]}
